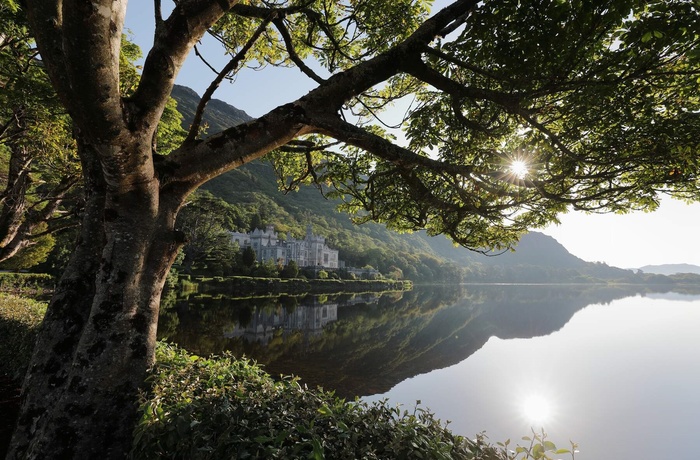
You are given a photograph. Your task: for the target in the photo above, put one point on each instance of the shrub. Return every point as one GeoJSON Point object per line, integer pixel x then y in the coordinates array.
{"type": "Point", "coordinates": [19, 318]}
{"type": "Point", "coordinates": [291, 270]}
{"type": "Point", "coordinates": [225, 408]}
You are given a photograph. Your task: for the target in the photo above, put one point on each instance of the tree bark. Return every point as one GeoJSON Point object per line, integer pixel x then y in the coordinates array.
{"type": "Point", "coordinates": [98, 337]}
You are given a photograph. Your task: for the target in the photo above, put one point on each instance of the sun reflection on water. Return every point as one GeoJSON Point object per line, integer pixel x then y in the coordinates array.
{"type": "Point", "coordinates": [536, 409]}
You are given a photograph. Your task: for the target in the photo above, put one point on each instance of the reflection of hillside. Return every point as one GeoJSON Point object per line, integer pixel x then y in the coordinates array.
{"type": "Point", "coordinates": [373, 346]}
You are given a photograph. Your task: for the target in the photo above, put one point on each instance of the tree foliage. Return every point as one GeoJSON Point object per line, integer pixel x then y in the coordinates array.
{"type": "Point", "coordinates": [37, 160]}
{"type": "Point", "coordinates": [206, 222]}
{"type": "Point", "coordinates": [596, 99]}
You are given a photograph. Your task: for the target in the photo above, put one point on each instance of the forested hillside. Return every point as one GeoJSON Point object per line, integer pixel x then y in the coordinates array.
{"type": "Point", "coordinates": [255, 199]}
{"type": "Point", "coordinates": [253, 193]}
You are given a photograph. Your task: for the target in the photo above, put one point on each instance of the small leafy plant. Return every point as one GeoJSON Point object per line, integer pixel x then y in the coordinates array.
{"type": "Point", "coordinates": [19, 319]}
{"type": "Point", "coordinates": [538, 448]}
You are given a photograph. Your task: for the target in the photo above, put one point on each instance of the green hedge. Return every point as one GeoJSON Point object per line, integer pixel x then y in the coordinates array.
{"type": "Point", "coordinates": [245, 285]}
{"type": "Point", "coordinates": [25, 282]}
{"type": "Point", "coordinates": [19, 318]}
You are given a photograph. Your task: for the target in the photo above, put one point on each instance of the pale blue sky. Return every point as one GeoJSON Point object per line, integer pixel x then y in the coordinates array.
{"type": "Point", "coordinates": [668, 235]}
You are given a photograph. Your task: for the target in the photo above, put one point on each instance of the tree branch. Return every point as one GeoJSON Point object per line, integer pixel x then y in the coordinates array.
{"type": "Point", "coordinates": [279, 23]}
{"type": "Point", "coordinates": [192, 165]}
{"type": "Point", "coordinates": [158, 13]}
{"type": "Point", "coordinates": [172, 43]}
{"type": "Point", "coordinates": [312, 113]}
{"type": "Point", "coordinates": [46, 19]}
{"type": "Point", "coordinates": [385, 149]}
{"type": "Point", "coordinates": [96, 33]}
{"type": "Point", "coordinates": [228, 68]}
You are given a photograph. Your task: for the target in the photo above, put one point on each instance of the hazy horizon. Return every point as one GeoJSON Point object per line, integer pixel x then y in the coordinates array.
{"type": "Point", "coordinates": [667, 236]}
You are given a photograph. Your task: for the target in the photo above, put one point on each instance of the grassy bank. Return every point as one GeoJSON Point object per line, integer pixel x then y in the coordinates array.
{"type": "Point", "coordinates": [19, 318]}
{"type": "Point", "coordinates": [222, 407]}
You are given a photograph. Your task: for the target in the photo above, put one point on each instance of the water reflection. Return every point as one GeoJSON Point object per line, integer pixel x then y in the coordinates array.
{"type": "Point", "coordinates": [617, 378]}
{"type": "Point", "coordinates": [365, 344]}
{"type": "Point", "coordinates": [310, 318]}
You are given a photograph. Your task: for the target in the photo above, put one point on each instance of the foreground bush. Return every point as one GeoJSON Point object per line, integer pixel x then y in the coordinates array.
{"type": "Point", "coordinates": [227, 408]}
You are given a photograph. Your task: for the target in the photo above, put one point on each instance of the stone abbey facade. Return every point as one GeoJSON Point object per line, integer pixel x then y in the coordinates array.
{"type": "Point", "coordinates": [308, 252]}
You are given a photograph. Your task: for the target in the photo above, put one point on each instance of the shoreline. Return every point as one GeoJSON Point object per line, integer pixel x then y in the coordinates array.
{"type": "Point", "coordinates": [245, 286]}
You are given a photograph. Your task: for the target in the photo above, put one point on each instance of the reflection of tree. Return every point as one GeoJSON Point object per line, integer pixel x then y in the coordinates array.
{"type": "Point", "coordinates": [376, 343]}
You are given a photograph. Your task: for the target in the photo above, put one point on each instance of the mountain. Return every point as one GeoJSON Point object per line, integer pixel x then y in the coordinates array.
{"type": "Point", "coordinates": [253, 190]}
{"type": "Point", "coordinates": [218, 115]}
{"type": "Point", "coordinates": [671, 269]}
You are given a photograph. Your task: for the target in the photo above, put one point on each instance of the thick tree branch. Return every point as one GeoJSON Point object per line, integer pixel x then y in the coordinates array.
{"type": "Point", "coordinates": [158, 13]}
{"type": "Point", "coordinates": [192, 165]}
{"type": "Point", "coordinates": [95, 30]}
{"type": "Point", "coordinates": [46, 19]}
{"type": "Point", "coordinates": [172, 43]}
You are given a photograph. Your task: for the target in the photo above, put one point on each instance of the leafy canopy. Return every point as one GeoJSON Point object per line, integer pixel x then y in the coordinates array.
{"type": "Point", "coordinates": [596, 101]}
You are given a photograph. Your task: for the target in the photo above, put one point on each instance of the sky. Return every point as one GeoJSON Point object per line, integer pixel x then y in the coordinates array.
{"type": "Point", "coordinates": [667, 236]}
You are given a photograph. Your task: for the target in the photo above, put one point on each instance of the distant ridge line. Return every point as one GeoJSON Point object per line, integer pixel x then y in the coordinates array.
{"type": "Point", "coordinates": [671, 269]}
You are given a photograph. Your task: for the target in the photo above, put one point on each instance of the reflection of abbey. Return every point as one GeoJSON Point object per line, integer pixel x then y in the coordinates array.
{"type": "Point", "coordinates": [309, 318]}
{"type": "Point", "coordinates": [309, 252]}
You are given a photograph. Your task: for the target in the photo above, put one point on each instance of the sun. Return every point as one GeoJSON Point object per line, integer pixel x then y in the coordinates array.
{"type": "Point", "coordinates": [519, 168]}
{"type": "Point", "coordinates": [536, 409]}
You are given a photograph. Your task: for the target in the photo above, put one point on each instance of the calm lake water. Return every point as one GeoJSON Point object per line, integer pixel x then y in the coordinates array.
{"type": "Point", "coordinates": [616, 369]}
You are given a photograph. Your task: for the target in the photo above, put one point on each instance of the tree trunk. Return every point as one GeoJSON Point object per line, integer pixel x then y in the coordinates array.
{"type": "Point", "coordinates": [98, 337]}
{"type": "Point", "coordinates": [14, 202]}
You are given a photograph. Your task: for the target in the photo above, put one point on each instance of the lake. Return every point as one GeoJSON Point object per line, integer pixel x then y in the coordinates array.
{"type": "Point", "coordinates": [616, 369]}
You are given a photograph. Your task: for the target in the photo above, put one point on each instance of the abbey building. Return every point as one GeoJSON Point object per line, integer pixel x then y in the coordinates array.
{"type": "Point", "coordinates": [308, 252]}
